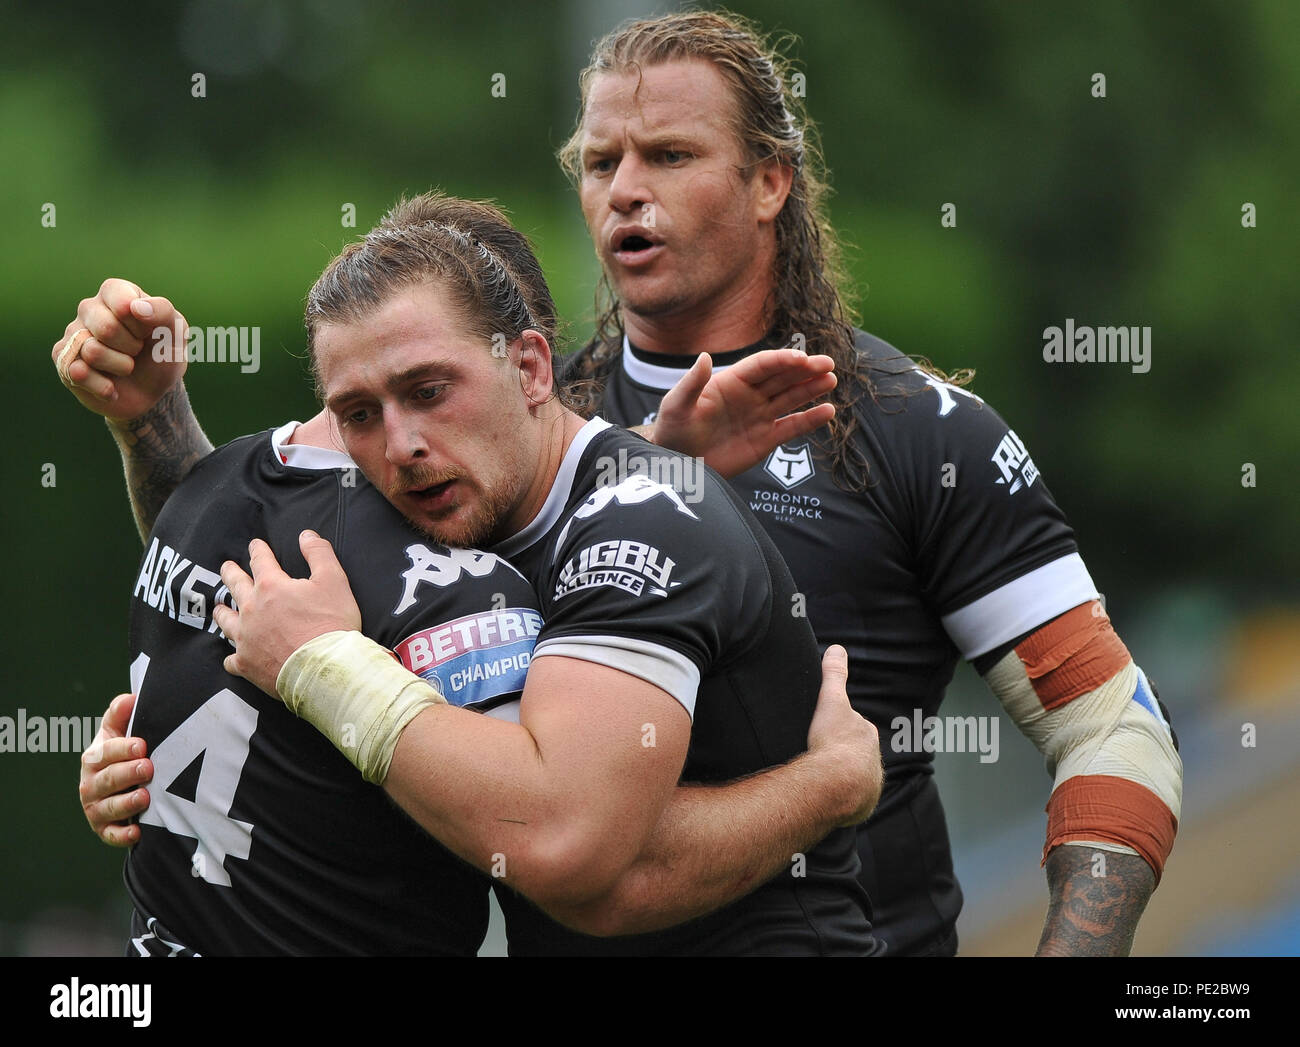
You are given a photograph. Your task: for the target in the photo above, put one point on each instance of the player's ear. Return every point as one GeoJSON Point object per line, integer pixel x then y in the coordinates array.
{"type": "Point", "coordinates": [536, 377]}
{"type": "Point", "coordinates": [772, 183]}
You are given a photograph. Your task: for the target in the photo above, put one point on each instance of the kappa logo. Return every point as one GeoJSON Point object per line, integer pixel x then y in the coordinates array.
{"type": "Point", "coordinates": [444, 568]}
{"type": "Point", "coordinates": [790, 468]}
{"type": "Point", "coordinates": [634, 490]}
{"type": "Point", "coordinates": [945, 390]}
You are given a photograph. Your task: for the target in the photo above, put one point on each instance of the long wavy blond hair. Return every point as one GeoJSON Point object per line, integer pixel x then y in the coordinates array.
{"type": "Point", "coordinates": [810, 292]}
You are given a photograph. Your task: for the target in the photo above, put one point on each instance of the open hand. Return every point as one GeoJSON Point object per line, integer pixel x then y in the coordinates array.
{"type": "Point", "coordinates": [277, 614]}
{"type": "Point", "coordinates": [736, 418]}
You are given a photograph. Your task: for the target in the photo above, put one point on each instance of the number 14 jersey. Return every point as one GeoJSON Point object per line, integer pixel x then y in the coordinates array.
{"type": "Point", "coordinates": [260, 836]}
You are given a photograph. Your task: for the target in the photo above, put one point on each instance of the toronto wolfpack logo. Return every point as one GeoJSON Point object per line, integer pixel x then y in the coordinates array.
{"type": "Point", "coordinates": [790, 468]}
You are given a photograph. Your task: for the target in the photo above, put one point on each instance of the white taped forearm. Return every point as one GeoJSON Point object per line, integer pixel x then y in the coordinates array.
{"type": "Point", "coordinates": [1098, 746]}
{"type": "Point", "coordinates": [357, 694]}
{"type": "Point", "coordinates": [1101, 732]}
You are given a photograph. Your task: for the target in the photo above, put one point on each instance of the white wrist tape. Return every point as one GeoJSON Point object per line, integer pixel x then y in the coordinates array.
{"type": "Point", "coordinates": [357, 694]}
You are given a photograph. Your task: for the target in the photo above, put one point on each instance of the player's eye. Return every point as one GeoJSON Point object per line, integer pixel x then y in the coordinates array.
{"type": "Point", "coordinates": [357, 416]}
{"type": "Point", "coordinates": [673, 157]}
{"type": "Point", "coordinates": [600, 165]}
{"type": "Point", "coordinates": [429, 392]}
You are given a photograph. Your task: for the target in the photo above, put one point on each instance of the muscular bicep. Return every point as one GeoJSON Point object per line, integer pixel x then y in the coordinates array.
{"type": "Point", "coordinates": [560, 803]}
{"type": "Point", "coordinates": [613, 746]}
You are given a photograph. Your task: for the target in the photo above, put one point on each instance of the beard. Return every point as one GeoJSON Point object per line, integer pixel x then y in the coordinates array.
{"type": "Point", "coordinates": [465, 525]}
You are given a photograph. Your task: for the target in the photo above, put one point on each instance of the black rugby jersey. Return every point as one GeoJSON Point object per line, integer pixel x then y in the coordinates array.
{"type": "Point", "coordinates": [955, 548]}
{"type": "Point", "coordinates": [645, 561]}
{"type": "Point", "coordinates": [260, 836]}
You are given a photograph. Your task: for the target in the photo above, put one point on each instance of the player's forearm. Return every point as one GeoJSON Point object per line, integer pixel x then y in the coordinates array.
{"type": "Point", "coordinates": [1118, 777]}
{"type": "Point", "coordinates": [1097, 898]}
{"type": "Point", "coordinates": [558, 804]}
{"type": "Point", "coordinates": [715, 844]}
{"type": "Point", "coordinates": [158, 450]}
{"type": "Point", "coordinates": [468, 804]}
{"type": "Point", "coordinates": [482, 787]}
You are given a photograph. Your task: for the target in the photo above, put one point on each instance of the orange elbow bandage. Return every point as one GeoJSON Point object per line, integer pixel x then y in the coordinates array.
{"type": "Point", "coordinates": [1098, 808]}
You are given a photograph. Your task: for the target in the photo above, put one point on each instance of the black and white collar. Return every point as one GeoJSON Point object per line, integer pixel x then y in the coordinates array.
{"type": "Point", "coordinates": [664, 375]}
{"type": "Point", "coordinates": [305, 456]}
{"type": "Point", "coordinates": [558, 498]}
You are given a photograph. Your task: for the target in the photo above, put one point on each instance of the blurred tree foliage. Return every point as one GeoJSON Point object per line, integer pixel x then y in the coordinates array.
{"type": "Point", "coordinates": [1123, 210]}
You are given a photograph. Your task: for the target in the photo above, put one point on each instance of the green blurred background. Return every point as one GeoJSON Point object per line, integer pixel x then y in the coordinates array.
{"type": "Point", "coordinates": [1122, 210]}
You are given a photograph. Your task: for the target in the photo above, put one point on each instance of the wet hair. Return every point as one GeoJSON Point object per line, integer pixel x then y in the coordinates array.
{"type": "Point", "coordinates": [487, 266]}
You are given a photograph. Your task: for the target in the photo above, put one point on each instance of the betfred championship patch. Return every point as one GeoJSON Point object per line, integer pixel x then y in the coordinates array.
{"type": "Point", "coordinates": [476, 658]}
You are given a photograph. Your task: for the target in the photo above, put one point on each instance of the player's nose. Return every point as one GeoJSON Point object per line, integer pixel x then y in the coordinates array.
{"type": "Point", "coordinates": [629, 189]}
{"type": "Point", "coordinates": [404, 441]}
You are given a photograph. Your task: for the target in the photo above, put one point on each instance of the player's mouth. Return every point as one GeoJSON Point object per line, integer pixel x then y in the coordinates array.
{"type": "Point", "coordinates": [635, 246]}
{"type": "Point", "coordinates": [435, 498]}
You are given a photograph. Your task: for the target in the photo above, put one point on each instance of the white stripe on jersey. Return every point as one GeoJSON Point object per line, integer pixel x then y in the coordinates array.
{"type": "Point", "coordinates": [558, 498]}
{"type": "Point", "coordinates": [1020, 606]}
{"type": "Point", "coordinates": [657, 377]}
{"type": "Point", "coordinates": [667, 669]}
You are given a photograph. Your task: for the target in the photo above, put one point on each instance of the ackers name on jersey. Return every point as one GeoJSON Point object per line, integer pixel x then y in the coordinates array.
{"type": "Point", "coordinates": [178, 587]}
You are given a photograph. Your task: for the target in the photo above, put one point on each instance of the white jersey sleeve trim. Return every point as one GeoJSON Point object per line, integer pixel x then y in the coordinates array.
{"type": "Point", "coordinates": [305, 456]}
{"type": "Point", "coordinates": [1020, 606]}
{"type": "Point", "coordinates": [667, 669]}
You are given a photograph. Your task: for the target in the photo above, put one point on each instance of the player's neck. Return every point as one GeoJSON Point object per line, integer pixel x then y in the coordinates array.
{"type": "Point", "coordinates": [558, 429]}
{"type": "Point", "coordinates": [317, 432]}
{"type": "Point", "coordinates": [718, 326]}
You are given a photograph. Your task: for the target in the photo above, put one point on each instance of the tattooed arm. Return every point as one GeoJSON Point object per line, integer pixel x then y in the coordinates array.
{"type": "Point", "coordinates": [158, 450]}
{"type": "Point", "coordinates": [123, 357]}
{"type": "Point", "coordinates": [1092, 915]}
{"type": "Point", "coordinates": [1074, 690]}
